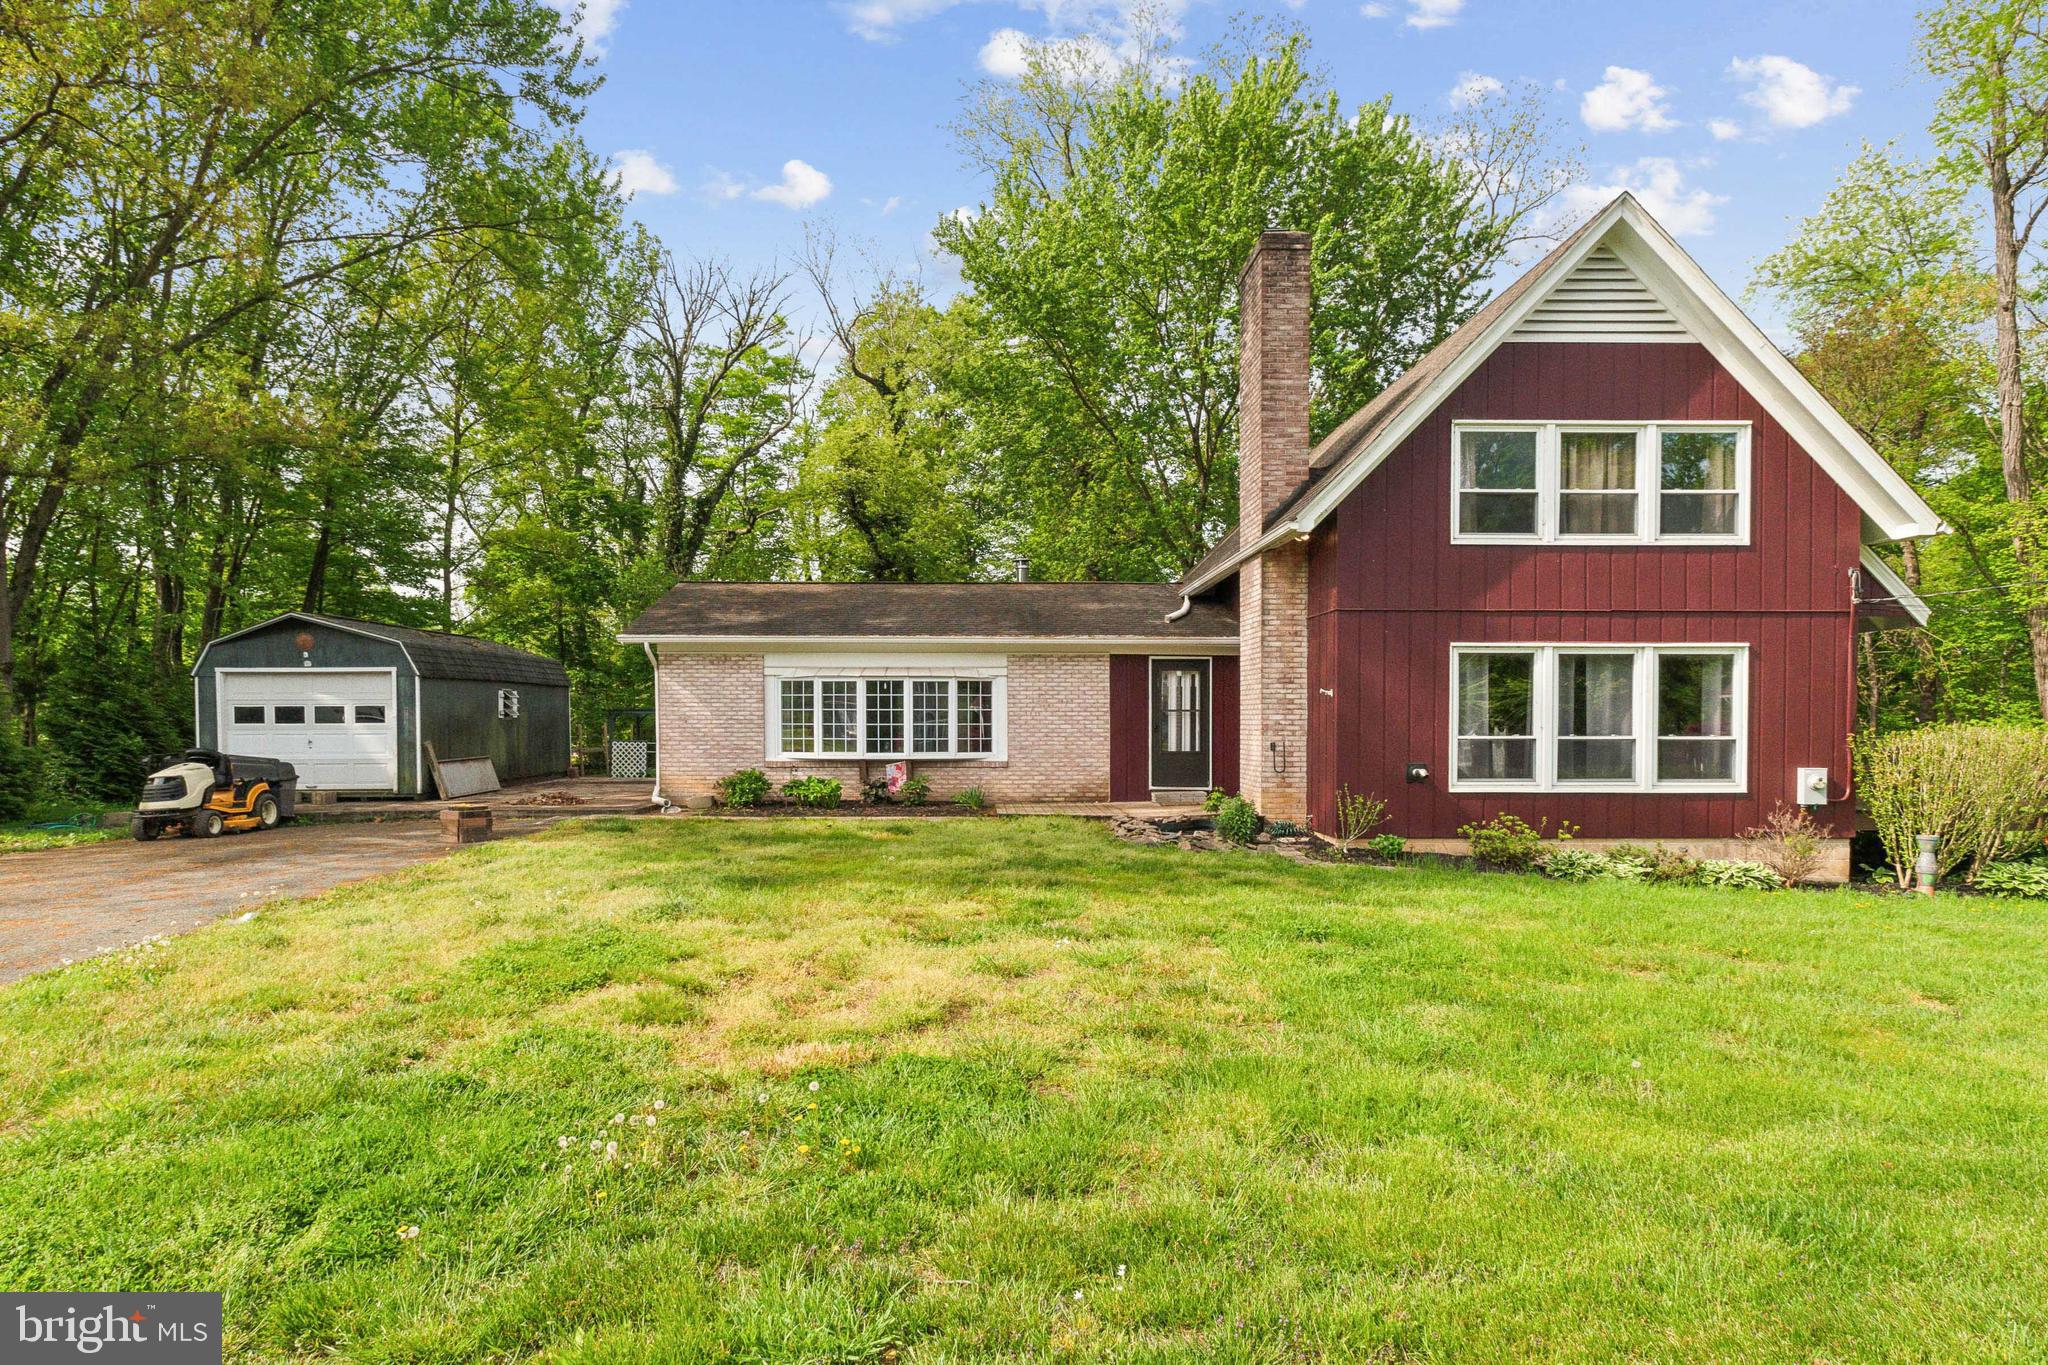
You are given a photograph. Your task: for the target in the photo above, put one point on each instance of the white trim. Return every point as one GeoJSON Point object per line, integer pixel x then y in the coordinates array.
{"type": "Point", "coordinates": [1643, 688]}
{"type": "Point", "coordinates": [772, 680]}
{"type": "Point", "coordinates": [878, 644]}
{"type": "Point", "coordinates": [1895, 585]}
{"type": "Point", "coordinates": [1648, 489]}
{"type": "Point", "coordinates": [1208, 717]}
{"type": "Point", "coordinates": [1889, 504]}
{"type": "Point", "coordinates": [316, 620]}
{"type": "Point", "coordinates": [220, 720]}
{"type": "Point", "coordinates": [654, 691]}
{"type": "Point", "coordinates": [419, 730]}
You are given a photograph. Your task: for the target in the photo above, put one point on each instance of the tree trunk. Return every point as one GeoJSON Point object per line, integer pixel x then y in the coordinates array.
{"type": "Point", "coordinates": [2012, 447]}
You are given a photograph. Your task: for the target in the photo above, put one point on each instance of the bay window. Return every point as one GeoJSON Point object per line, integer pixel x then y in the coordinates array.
{"type": "Point", "coordinates": [1600, 482]}
{"type": "Point", "coordinates": [883, 712]}
{"type": "Point", "coordinates": [1598, 717]}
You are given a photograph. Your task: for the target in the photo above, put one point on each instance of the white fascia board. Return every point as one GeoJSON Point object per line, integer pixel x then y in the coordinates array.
{"type": "Point", "coordinates": [887, 644]}
{"type": "Point", "coordinates": [1727, 333]}
{"type": "Point", "coordinates": [1895, 585]}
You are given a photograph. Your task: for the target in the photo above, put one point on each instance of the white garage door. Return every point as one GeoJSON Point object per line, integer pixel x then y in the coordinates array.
{"type": "Point", "coordinates": [338, 727]}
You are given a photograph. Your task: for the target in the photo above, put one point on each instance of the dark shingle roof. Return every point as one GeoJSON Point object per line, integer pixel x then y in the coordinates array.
{"type": "Point", "coordinates": [933, 610]}
{"type": "Point", "coordinates": [440, 654]}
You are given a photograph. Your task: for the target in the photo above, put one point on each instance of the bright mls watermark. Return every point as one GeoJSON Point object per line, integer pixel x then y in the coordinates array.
{"type": "Point", "coordinates": [165, 1329]}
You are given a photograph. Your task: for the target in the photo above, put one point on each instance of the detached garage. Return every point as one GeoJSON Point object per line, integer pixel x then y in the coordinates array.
{"type": "Point", "coordinates": [353, 705]}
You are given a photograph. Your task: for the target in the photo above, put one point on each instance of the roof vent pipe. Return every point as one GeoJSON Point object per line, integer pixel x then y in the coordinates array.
{"type": "Point", "coordinates": [1023, 569]}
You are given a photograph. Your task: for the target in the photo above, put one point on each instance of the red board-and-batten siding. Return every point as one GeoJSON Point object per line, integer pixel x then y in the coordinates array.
{"type": "Point", "coordinates": [1130, 725]}
{"type": "Point", "coordinates": [1389, 594]}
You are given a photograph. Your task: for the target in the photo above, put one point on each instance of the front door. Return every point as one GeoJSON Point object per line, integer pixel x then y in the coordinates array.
{"type": "Point", "coordinates": [1180, 724]}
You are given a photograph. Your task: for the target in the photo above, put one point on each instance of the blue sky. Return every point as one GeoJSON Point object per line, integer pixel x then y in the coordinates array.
{"type": "Point", "coordinates": [735, 123]}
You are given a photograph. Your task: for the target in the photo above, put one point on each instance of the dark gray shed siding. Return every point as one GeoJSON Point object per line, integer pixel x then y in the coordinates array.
{"type": "Point", "coordinates": [460, 719]}
{"type": "Point", "coordinates": [273, 647]}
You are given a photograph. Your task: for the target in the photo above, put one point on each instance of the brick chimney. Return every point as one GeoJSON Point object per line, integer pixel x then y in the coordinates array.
{"type": "Point", "coordinates": [1272, 461]}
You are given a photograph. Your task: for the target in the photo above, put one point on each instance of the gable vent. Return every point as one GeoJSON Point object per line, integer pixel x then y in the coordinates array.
{"type": "Point", "coordinates": [1601, 300]}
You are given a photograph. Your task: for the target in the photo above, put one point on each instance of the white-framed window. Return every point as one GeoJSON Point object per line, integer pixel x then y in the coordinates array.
{"type": "Point", "coordinates": [1599, 718]}
{"type": "Point", "coordinates": [1600, 483]}
{"type": "Point", "coordinates": [884, 712]}
{"type": "Point", "coordinates": [508, 703]}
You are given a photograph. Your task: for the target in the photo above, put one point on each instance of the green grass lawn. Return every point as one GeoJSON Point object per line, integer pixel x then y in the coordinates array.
{"type": "Point", "coordinates": [960, 1090]}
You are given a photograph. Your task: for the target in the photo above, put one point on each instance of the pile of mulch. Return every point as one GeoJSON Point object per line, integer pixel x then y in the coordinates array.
{"type": "Point", "coordinates": [550, 799]}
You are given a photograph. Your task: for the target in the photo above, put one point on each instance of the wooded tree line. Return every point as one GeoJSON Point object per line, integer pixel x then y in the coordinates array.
{"type": "Point", "coordinates": [328, 306]}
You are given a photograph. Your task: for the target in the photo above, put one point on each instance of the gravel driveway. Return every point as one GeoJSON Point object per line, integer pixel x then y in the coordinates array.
{"type": "Point", "coordinates": [70, 903]}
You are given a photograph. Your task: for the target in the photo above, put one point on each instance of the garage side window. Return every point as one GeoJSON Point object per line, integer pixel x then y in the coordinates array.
{"type": "Point", "coordinates": [369, 715]}
{"type": "Point", "coordinates": [288, 715]}
{"type": "Point", "coordinates": [330, 715]}
{"type": "Point", "coordinates": [248, 715]}
{"type": "Point", "coordinates": [508, 704]}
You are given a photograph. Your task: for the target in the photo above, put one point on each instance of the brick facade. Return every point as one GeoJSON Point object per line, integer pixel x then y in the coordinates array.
{"type": "Point", "coordinates": [711, 713]}
{"type": "Point", "coordinates": [1272, 462]}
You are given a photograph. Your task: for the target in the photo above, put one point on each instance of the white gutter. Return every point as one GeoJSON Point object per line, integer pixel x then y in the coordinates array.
{"type": "Point", "coordinates": [654, 683]}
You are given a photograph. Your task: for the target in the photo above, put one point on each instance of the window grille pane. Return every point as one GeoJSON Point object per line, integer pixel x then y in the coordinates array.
{"type": "Point", "coordinates": [248, 715]}
{"type": "Point", "coordinates": [1698, 462]}
{"type": "Point", "coordinates": [1596, 717]}
{"type": "Point", "coordinates": [1699, 514]}
{"type": "Point", "coordinates": [838, 716]}
{"type": "Point", "coordinates": [1596, 514]}
{"type": "Point", "coordinates": [931, 717]}
{"type": "Point", "coordinates": [1496, 716]}
{"type": "Point", "coordinates": [885, 715]}
{"type": "Point", "coordinates": [330, 715]}
{"type": "Point", "coordinates": [1497, 459]}
{"type": "Point", "coordinates": [1183, 710]}
{"type": "Point", "coordinates": [288, 715]}
{"type": "Point", "coordinates": [1696, 717]}
{"type": "Point", "coordinates": [369, 715]}
{"type": "Point", "coordinates": [1497, 514]}
{"type": "Point", "coordinates": [797, 715]}
{"type": "Point", "coordinates": [1597, 461]}
{"type": "Point", "coordinates": [976, 703]}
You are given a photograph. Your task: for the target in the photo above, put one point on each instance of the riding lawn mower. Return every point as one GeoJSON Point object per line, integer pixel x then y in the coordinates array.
{"type": "Point", "coordinates": [201, 794]}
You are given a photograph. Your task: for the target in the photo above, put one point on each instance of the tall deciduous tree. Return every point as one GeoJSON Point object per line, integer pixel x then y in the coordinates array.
{"type": "Point", "coordinates": [1993, 123]}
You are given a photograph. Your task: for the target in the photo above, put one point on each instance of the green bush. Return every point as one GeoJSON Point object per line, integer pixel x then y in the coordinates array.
{"type": "Point", "coordinates": [747, 787]}
{"type": "Point", "coordinates": [1576, 865]}
{"type": "Point", "coordinates": [2029, 880]}
{"type": "Point", "coordinates": [1971, 786]}
{"type": "Point", "coordinates": [915, 791]}
{"type": "Point", "coordinates": [1737, 873]}
{"type": "Point", "coordinates": [974, 798]}
{"type": "Point", "coordinates": [1238, 820]}
{"type": "Point", "coordinates": [875, 791]}
{"type": "Point", "coordinates": [813, 791]}
{"type": "Point", "coordinates": [1388, 846]}
{"type": "Point", "coordinates": [1506, 841]}
{"type": "Point", "coordinates": [1214, 800]}
{"type": "Point", "coordinates": [1357, 816]}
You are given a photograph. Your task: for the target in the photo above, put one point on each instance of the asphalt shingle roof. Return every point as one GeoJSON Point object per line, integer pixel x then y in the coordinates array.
{"type": "Point", "coordinates": [933, 610]}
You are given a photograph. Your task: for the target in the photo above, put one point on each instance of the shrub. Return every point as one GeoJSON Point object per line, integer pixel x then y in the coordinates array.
{"type": "Point", "coordinates": [1357, 816]}
{"type": "Point", "coordinates": [1670, 865]}
{"type": "Point", "coordinates": [1971, 786]}
{"type": "Point", "coordinates": [744, 788]}
{"type": "Point", "coordinates": [1214, 800]}
{"type": "Point", "coordinates": [1506, 841]}
{"type": "Point", "coordinates": [1741, 874]}
{"type": "Point", "coordinates": [2015, 879]}
{"type": "Point", "coordinates": [1788, 842]}
{"type": "Point", "coordinates": [915, 791]}
{"type": "Point", "coordinates": [1238, 820]}
{"type": "Point", "coordinates": [974, 798]}
{"type": "Point", "coordinates": [875, 791]}
{"type": "Point", "coordinates": [1575, 865]}
{"type": "Point", "coordinates": [813, 791]}
{"type": "Point", "coordinates": [1388, 846]}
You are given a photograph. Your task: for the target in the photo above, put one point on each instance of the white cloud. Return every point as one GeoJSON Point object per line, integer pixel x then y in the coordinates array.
{"type": "Point", "coordinates": [594, 20]}
{"type": "Point", "coordinates": [1372, 9]}
{"type": "Point", "coordinates": [1624, 99]}
{"type": "Point", "coordinates": [1684, 210]}
{"type": "Point", "coordinates": [1724, 129]}
{"type": "Point", "coordinates": [635, 171]}
{"type": "Point", "coordinates": [1006, 54]}
{"type": "Point", "coordinates": [722, 186]}
{"type": "Point", "coordinates": [878, 20]}
{"type": "Point", "coordinates": [1790, 94]}
{"type": "Point", "coordinates": [1472, 87]}
{"type": "Point", "coordinates": [1433, 13]}
{"type": "Point", "coordinates": [801, 186]}
{"type": "Point", "coordinates": [891, 204]}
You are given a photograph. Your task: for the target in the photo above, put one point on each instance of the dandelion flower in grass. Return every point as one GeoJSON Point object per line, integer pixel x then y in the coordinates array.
{"type": "Point", "coordinates": [1636, 1064]}
{"type": "Point", "coordinates": [1077, 1296]}
{"type": "Point", "coordinates": [563, 1142]}
{"type": "Point", "coordinates": [596, 1146]}
{"type": "Point", "coordinates": [611, 1149]}
{"type": "Point", "coordinates": [814, 1087]}
{"type": "Point", "coordinates": [650, 1120]}
{"type": "Point", "coordinates": [618, 1118]}
{"type": "Point", "coordinates": [661, 1104]}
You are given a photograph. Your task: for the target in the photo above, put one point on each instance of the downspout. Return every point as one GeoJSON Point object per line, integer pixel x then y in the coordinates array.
{"type": "Point", "coordinates": [1187, 604]}
{"type": "Point", "coordinates": [654, 681]}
